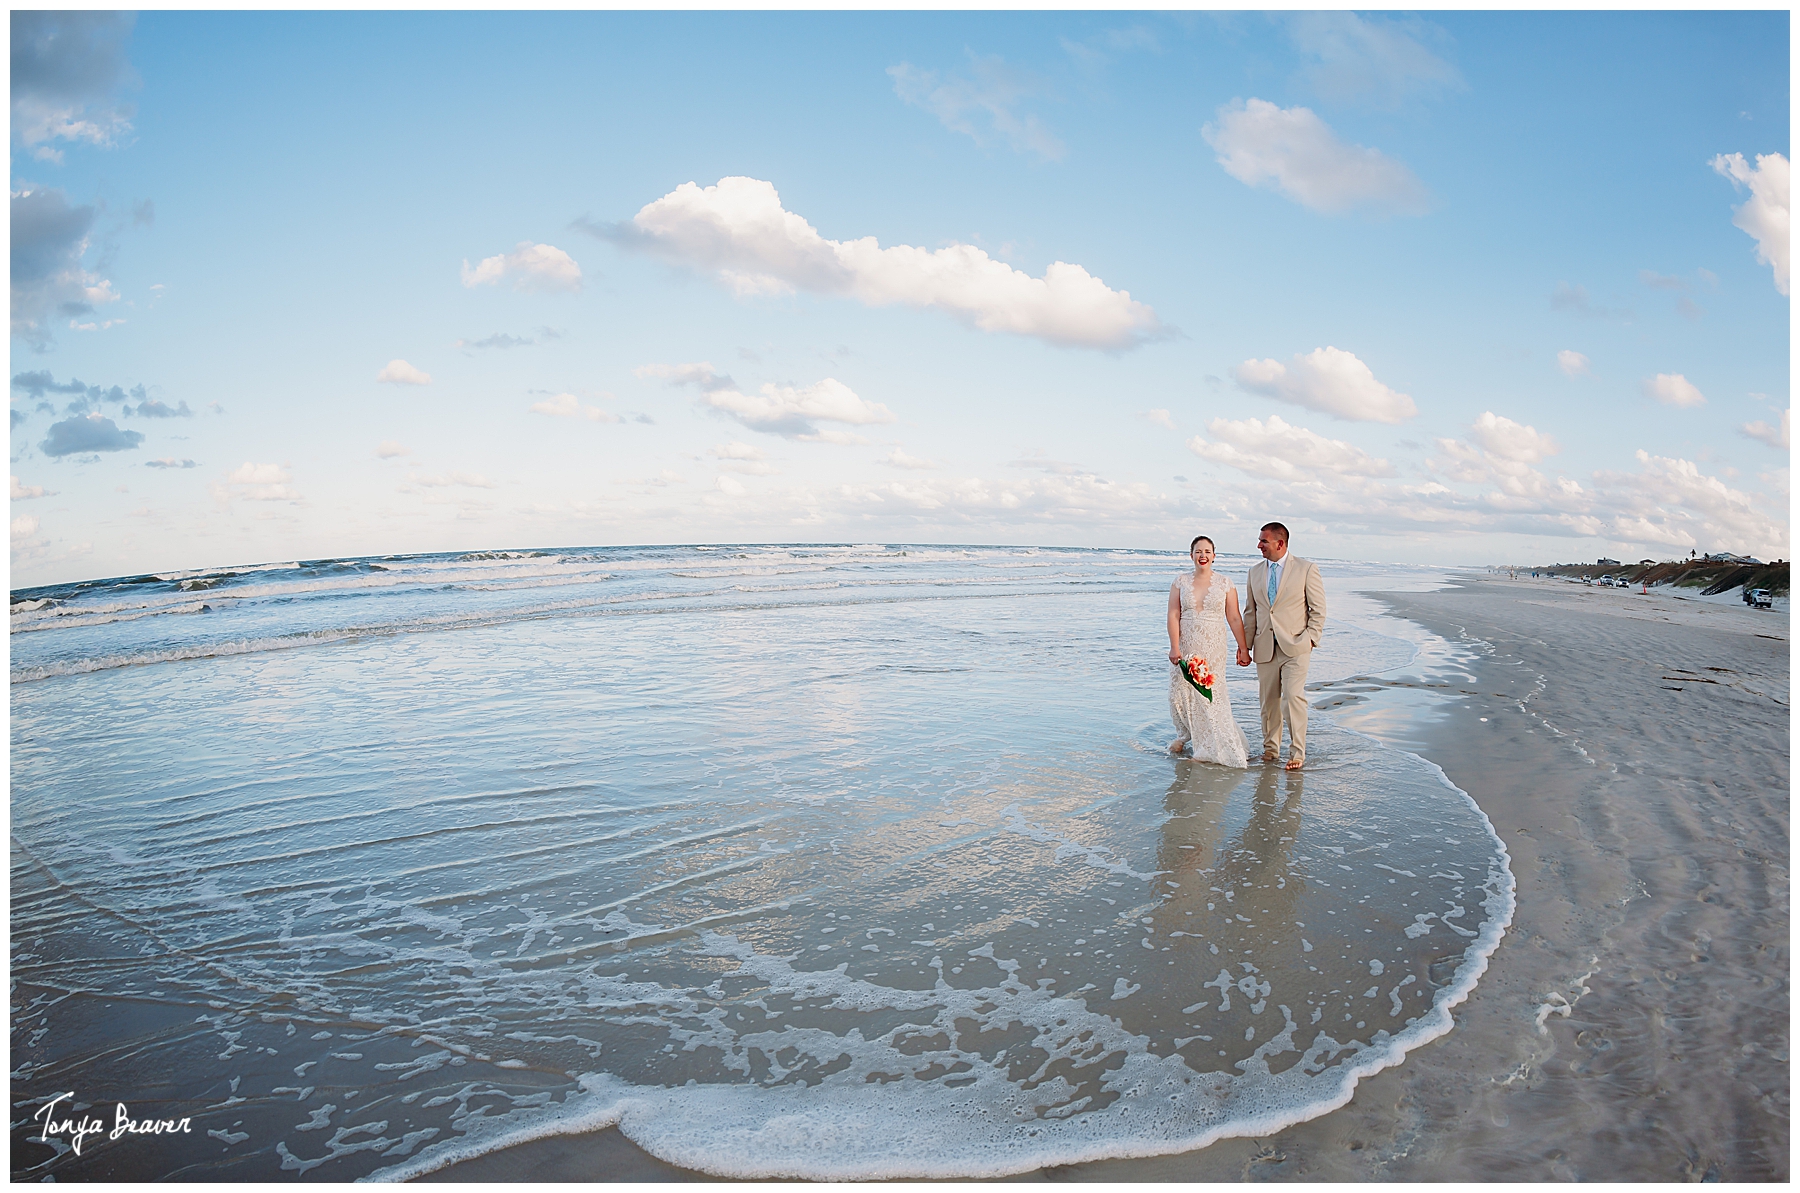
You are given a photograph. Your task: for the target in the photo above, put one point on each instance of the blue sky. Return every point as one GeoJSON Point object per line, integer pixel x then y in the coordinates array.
{"type": "Point", "coordinates": [1461, 289]}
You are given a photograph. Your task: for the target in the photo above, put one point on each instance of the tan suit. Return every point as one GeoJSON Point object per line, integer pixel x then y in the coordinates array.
{"type": "Point", "coordinates": [1282, 637]}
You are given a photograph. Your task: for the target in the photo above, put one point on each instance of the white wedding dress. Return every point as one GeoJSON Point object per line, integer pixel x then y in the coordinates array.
{"type": "Point", "coordinates": [1208, 726]}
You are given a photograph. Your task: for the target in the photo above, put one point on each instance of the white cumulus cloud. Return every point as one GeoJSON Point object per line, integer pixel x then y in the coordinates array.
{"type": "Point", "coordinates": [1330, 381]}
{"type": "Point", "coordinates": [1294, 151]}
{"type": "Point", "coordinates": [1503, 455]}
{"type": "Point", "coordinates": [741, 457]}
{"type": "Point", "coordinates": [569, 406]}
{"type": "Point", "coordinates": [1160, 417]}
{"type": "Point", "coordinates": [1509, 440]}
{"type": "Point", "coordinates": [1572, 363]}
{"type": "Point", "coordinates": [786, 410]}
{"type": "Point", "coordinates": [900, 459]}
{"type": "Point", "coordinates": [387, 449]}
{"type": "Point", "coordinates": [258, 482]}
{"type": "Point", "coordinates": [398, 372]}
{"type": "Point", "coordinates": [22, 492]}
{"type": "Point", "coordinates": [24, 527]}
{"type": "Point", "coordinates": [1776, 437]}
{"type": "Point", "coordinates": [1285, 452]}
{"type": "Point", "coordinates": [776, 405]}
{"type": "Point", "coordinates": [530, 266]}
{"type": "Point", "coordinates": [1765, 214]}
{"type": "Point", "coordinates": [735, 450]}
{"type": "Point", "coordinates": [1671, 503]}
{"type": "Point", "coordinates": [1672, 389]}
{"type": "Point", "coordinates": [739, 230]}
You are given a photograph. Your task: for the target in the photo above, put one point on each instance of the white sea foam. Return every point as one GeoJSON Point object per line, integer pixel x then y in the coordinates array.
{"type": "Point", "coordinates": [849, 1125]}
{"type": "Point", "coordinates": [62, 615]}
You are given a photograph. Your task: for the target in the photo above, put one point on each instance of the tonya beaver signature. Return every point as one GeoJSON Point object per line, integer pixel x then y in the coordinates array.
{"type": "Point", "coordinates": [123, 1124]}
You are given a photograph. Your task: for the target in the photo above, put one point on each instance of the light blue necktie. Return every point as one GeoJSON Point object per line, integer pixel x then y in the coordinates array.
{"type": "Point", "coordinates": [1274, 579]}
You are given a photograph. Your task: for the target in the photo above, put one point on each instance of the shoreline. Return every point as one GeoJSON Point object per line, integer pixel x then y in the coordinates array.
{"type": "Point", "coordinates": [1633, 1025]}
{"type": "Point", "coordinates": [1593, 1047]}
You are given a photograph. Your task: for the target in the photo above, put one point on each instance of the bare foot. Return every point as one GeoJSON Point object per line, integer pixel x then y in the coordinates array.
{"type": "Point", "coordinates": [1295, 764]}
{"type": "Point", "coordinates": [1268, 755]}
{"type": "Point", "coordinates": [1178, 745]}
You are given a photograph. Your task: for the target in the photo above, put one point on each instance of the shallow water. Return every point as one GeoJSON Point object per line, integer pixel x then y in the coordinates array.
{"type": "Point", "coordinates": [823, 862]}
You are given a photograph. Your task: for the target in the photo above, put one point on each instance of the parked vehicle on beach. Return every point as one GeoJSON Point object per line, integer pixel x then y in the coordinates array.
{"type": "Point", "coordinates": [1759, 598]}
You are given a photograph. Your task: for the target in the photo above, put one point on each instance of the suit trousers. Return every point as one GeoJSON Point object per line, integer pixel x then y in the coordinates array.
{"type": "Point", "coordinates": [1281, 685]}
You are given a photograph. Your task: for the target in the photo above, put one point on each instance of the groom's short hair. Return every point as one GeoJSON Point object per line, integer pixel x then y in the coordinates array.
{"type": "Point", "coordinates": [1280, 531]}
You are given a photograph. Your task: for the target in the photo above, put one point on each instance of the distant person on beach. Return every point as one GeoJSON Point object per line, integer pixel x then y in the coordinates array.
{"type": "Point", "coordinates": [1283, 620]}
{"type": "Point", "coordinates": [1203, 619]}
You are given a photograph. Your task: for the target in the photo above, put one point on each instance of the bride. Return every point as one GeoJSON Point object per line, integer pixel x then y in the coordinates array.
{"type": "Point", "coordinates": [1203, 607]}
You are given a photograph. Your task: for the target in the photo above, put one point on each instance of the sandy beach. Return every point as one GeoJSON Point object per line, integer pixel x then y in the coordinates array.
{"type": "Point", "coordinates": [1632, 752]}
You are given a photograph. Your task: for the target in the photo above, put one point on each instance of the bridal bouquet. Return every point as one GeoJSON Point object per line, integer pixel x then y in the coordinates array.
{"type": "Point", "coordinates": [1195, 671]}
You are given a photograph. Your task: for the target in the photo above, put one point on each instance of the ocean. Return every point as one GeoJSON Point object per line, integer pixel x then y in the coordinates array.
{"type": "Point", "coordinates": [789, 861]}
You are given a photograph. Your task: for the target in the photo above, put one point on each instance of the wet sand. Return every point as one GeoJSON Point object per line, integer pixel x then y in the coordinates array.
{"type": "Point", "coordinates": [1632, 752]}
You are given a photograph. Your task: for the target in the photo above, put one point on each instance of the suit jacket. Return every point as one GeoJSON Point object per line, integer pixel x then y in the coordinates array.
{"type": "Point", "coordinates": [1297, 618]}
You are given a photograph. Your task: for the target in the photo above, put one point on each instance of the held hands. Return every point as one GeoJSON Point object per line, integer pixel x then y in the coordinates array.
{"type": "Point", "coordinates": [1243, 656]}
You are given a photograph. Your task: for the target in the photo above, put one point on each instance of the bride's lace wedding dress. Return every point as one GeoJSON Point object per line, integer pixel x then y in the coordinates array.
{"type": "Point", "coordinates": [1207, 726]}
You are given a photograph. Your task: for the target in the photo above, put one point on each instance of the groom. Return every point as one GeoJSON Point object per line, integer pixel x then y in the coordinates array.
{"type": "Point", "coordinates": [1282, 621]}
